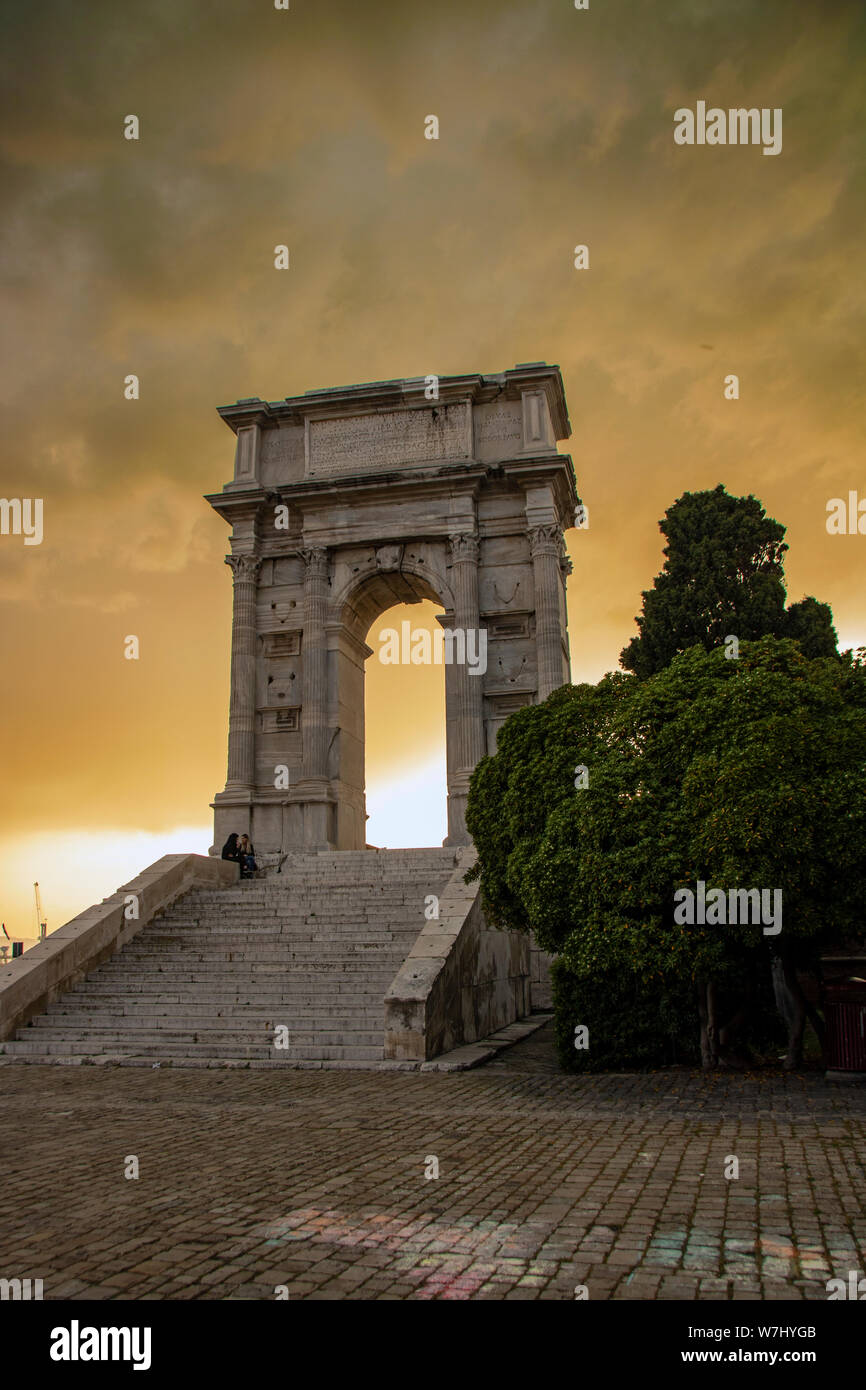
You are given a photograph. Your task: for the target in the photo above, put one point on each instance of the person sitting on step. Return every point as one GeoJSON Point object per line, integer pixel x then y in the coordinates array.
{"type": "Point", "coordinates": [231, 849]}
{"type": "Point", "coordinates": [248, 857]}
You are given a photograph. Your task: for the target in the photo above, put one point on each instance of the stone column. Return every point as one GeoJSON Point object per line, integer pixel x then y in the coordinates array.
{"type": "Point", "coordinates": [314, 714]}
{"type": "Point", "coordinates": [470, 708]}
{"type": "Point", "coordinates": [242, 708]}
{"type": "Point", "coordinates": [467, 695]}
{"type": "Point", "coordinates": [545, 547]}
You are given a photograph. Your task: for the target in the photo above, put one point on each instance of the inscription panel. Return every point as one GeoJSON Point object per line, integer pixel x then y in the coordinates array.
{"type": "Point", "coordinates": [277, 644]}
{"type": "Point", "coordinates": [282, 455]}
{"type": "Point", "coordinates": [501, 425]}
{"type": "Point", "coordinates": [354, 443]}
{"type": "Point", "coordinates": [499, 431]}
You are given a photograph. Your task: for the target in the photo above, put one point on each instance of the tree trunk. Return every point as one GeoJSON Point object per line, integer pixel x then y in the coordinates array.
{"type": "Point", "coordinates": [732, 1052]}
{"type": "Point", "coordinates": [706, 993]}
{"type": "Point", "coordinates": [791, 1003]}
{"type": "Point", "coordinates": [713, 1021]}
{"type": "Point", "coordinates": [817, 1023]}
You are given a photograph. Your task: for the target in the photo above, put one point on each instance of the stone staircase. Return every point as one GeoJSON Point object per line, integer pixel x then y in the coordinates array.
{"type": "Point", "coordinates": [211, 979]}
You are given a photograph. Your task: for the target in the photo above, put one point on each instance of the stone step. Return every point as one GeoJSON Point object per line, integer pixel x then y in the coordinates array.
{"type": "Point", "coordinates": [359, 899]}
{"type": "Point", "coordinates": [278, 944]}
{"type": "Point", "coordinates": [279, 934]}
{"type": "Point", "coordinates": [301, 915]}
{"type": "Point", "coordinates": [379, 909]}
{"type": "Point", "coordinates": [372, 856]}
{"type": "Point", "coordinates": [311, 1052]}
{"type": "Point", "coordinates": [231, 940]}
{"type": "Point", "coordinates": [251, 1023]}
{"type": "Point", "coordinates": [308, 915]}
{"type": "Point", "coordinates": [348, 896]}
{"type": "Point", "coordinates": [257, 990]}
{"type": "Point", "coordinates": [355, 896]}
{"type": "Point", "coordinates": [280, 948]}
{"type": "Point", "coordinates": [278, 966]}
{"type": "Point", "coordinates": [204, 990]}
{"type": "Point", "coordinates": [165, 963]}
{"type": "Point", "coordinates": [277, 928]}
{"type": "Point", "coordinates": [179, 1058]}
{"type": "Point", "coordinates": [253, 956]}
{"type": "Point", "coordinates": [205, 1011]}
{"type": "Point", "coordinates": [236, 918]}
{"type": "Point", "coordinates": [312, 929]}
{"type": "Point", "coordinates": [229, 964]}
{"type": "Point", "coordinates": [240, 1031]}
{"type": "Point", "coordinates": [345, 973]}
{"type": "Point", "coordinates": [316, 928]}
{"type": "Point", "coordinates": [187, 1015]}
{"type": "Point", "coordinates": [321, 988]}
{"type": "Point", "coordinates": [211, 977]}
{"type": "Point", "coordinates": [339, 866]}
{"type": "Point", "coordinates": [338, 875]}
{"type": "Point", "coordinates": [345, 1006]}
{"type": "Point", "coordinates": [368, 857]}
{"type": "Point", "coordinates": [320, 885]}
{"type": "Point", "coordinates": [309, 912]}
{"type": "Point", "coordinates": [248, 1018]}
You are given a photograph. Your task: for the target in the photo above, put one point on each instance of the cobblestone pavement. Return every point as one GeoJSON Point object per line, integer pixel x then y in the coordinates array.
{"type": "Point", "coordinates": [316, 1180]}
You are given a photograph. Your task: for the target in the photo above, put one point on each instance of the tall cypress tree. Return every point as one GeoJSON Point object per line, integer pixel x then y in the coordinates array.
{"type": "Point", "coordinates": [723, 576]}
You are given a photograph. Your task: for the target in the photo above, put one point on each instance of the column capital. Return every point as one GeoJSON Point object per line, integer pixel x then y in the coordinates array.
{"type": "Point", "coordinates": [244, 566]}
{"type": "Point", "coordinates": [546, 540]}
{"type": "Point", "coordinates": [316, 560]}
{"type": "Point", "coordinates": [464, 546]}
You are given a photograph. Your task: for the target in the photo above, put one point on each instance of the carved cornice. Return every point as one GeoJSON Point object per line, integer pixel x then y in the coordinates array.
{"type": "Point", "coordinates": [464, 546]}
{"type": "Point", "coordinates": [244, 568]}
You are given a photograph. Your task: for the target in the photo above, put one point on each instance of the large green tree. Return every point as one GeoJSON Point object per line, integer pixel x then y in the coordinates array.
{"type": "Point", "coordinates": [723, 576]}
{"type": "Point", "coordinates": [743, 773]}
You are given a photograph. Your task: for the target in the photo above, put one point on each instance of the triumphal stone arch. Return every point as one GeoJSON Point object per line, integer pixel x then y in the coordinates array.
{"type": "Point", "coordinates": [345, 502]}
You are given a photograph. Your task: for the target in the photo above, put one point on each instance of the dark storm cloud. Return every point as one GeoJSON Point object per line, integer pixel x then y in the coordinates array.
{"type": "Point", "coordinates": [306, 127]}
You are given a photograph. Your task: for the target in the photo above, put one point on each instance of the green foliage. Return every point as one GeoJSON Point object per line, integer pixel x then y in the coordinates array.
{"type": "Point", "coordinates": [635, 1024]}
{"type": "Point", "coordinates": [631, 1025]}
{"type": "Point", "coordinates": [811, 624]}
{"type": "Point", "coordinates": [743, 773]}
{"type": "Point", "coordinates": [723, 574]}
{"type": "Point", "coordinates": [533, 773]}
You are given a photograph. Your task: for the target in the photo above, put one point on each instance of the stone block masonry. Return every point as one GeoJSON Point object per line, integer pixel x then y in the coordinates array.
{"type": "Point", "coordinates": [345, 502]}
{"type": "Point", "coordinates": [460, 981]}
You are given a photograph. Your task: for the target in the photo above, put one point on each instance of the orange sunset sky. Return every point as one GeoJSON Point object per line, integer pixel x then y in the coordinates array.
{"type": "Point", "coordinates": [408, 256]}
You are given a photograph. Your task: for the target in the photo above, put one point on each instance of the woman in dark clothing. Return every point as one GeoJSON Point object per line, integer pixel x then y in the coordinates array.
{"type": "Point", "coordinates": [231, 849]}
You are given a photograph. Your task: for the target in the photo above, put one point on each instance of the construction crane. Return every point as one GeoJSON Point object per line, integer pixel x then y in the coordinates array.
{"type": "Point", "coordinates": [41, 925]}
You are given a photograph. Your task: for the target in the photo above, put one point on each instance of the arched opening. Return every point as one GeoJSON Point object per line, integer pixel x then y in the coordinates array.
{"type": "Point", "coordinates": [395, 702]}
{"type": "Point", "coordinates": [405, 753]}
